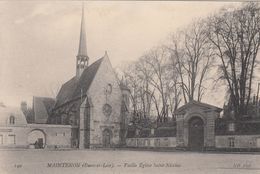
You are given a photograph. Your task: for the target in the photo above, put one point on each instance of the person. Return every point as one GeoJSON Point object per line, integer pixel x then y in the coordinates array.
{"type": "Point", "coordinates": [36, 145]}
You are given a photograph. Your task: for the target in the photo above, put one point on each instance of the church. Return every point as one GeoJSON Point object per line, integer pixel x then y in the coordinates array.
{"type": "Point", "coordinates": [93, 102]}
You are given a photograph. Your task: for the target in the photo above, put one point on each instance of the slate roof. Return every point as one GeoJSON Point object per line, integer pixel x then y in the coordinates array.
{"type": "Point", "coordinates": [42, 107]}
{"type": "Point", "coordinates": [66, 92]}
{"type": "Point", "coordinates": [72, 89]}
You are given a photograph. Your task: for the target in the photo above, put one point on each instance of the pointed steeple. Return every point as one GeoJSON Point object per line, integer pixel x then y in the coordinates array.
{"type": "Point", "coordinates": [106, 55]}
{"type": "Point", "coordinates": [82, 57]}
{"type": "Point", "coordinates": [82, 40]}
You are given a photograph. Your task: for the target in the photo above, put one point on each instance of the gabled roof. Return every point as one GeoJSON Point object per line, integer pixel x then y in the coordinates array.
{"type": "Point", "coordinates": [86, 78]}
{"type": "Point", "coordinates": [74, 88]}
{"type": "Point", "coordinates": [42, 107]}
{"type": "Point", "coordinates": [66, 91]}
{"type": "Point", "coordinates": [200, 104]}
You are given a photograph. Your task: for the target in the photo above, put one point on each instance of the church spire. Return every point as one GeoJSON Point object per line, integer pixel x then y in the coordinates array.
{"type": "Point", "coordinates": [82, 40]}
{"type": "Point", "coordinates": [82, 57]}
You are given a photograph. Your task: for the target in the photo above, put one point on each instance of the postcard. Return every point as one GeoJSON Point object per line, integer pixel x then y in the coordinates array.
{"type": "Point", "coordinates": [120, 87]}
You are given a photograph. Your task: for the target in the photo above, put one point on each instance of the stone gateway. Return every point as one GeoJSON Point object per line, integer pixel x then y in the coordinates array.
{"type": "Point", "coordinates": [196, 126]}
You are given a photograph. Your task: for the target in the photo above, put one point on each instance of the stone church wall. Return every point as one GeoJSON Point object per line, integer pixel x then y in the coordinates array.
{"type": "Point", "coordinates": [97, 93]}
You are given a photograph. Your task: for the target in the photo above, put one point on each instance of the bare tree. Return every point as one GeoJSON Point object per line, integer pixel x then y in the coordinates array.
{"type": "Point", "coordinates": [235, 36]}
{"type": "Point", "coordinates": [177, 54]}
{"type": "Point", "coordinates": [157, 59]}
{"type": "Point", "coordinates": [154, 85]}
{"type": "Point", "coordinates": [173, 87]}
{"type": "Point", "coordinates": [144, 74]}
{"type": "Point", "coordinates": [132, 81]}
{"type": "Point", "coordinates": [193, 54]}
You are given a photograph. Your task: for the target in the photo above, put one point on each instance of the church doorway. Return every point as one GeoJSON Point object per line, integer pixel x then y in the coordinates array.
{"type": "Point", "coordinates": [107, 138]}
{"type": "Point", "coordinates": [36, 139]}
{"type": "Point", "coordinates": [196, 134]}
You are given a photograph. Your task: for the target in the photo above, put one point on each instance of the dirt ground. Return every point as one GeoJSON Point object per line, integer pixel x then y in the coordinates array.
{"type": "Point", "coordinates": [125, 162]}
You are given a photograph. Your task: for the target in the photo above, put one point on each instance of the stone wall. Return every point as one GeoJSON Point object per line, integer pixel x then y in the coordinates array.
{"type": "Point", "coordinates": [154, 142]}
{"type": "Point", "coordinates": [210, 128]}
{"type": "Point", "coordinates": [56, 136]}
{"type": "Point", "coordinates": [20, 133]}
{"type": "Point", "coordinates": [240, 141]}
{"type": "Point", "coordinates": [221, 142]}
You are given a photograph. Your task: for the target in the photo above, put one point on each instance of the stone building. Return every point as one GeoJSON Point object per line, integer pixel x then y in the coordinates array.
{"type": "Point", "coordinates": [196, 125]}
{"type": "Point", "coordinates": [93, 102]}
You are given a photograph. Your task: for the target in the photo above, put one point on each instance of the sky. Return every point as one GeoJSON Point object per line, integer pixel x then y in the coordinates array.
{"type": "Point", "coordinates": [39, 39]}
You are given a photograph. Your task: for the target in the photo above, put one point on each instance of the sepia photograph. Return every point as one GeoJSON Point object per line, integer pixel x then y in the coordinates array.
{"type": "Point", "coordinates": [129, 87]}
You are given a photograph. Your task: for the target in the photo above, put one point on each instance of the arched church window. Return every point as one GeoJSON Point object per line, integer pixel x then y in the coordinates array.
{"type": "Point", "coordinates": [108, 89]}
{"type": "Point", "coordinates": [11, 119]}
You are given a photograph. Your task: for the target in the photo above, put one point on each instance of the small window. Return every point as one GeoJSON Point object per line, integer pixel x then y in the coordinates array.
{"type": "Point", "coordinates": [11, 119]}
{"type": "Point", "coordinates": [109, 89]}
{"type": "Point", "coordinates": [231, 142]}
{"type": "Point", "coordinates": [11, 139]}
{"type": "Point", "coordinates": [231, 127]}
{"type": "Point", "coordinates": [137, 132]}
{"type": "Point", "coordinates": [152, 131]}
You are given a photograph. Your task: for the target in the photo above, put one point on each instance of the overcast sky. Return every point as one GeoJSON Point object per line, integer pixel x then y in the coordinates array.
{"type": "Point", "coordinates": [39, 40]}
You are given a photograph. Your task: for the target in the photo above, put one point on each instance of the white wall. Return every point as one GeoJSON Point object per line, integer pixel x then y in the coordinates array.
{"type": "Point", "coordinates": [56, 135]}
{"type": "Point", "coordinates": [20, 134]}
